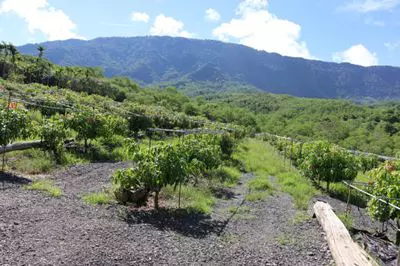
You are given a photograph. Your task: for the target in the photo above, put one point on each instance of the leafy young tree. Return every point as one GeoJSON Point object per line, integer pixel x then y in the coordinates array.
{"type": "Point", "coordinates": [328, 162]}
{"type": "Point", "coordinates": [13, 124]}
{"type": "Point", "coordinates": [387, 187]}
{"type": "Point", "coordinates": [53, 133]}
{"type": "Point", "coordinates": [88, 125]}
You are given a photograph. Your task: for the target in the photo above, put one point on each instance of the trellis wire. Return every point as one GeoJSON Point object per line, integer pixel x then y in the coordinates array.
{"type": "Point", "coordinates": [382, 157]}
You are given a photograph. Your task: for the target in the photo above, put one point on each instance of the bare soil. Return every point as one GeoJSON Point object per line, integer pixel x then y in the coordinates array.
{"type": "Point", "coordinates": [36, 229]}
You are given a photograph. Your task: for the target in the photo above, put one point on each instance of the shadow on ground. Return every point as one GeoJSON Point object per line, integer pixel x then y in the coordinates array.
{"type": "Point", "coordinates": [182, 221]}
{"type": "Point", "coordinates": [223, 193]}
{"type": "Point", "coordinates": [7, 179]}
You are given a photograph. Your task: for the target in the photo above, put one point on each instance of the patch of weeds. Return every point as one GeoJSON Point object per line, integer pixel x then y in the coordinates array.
{"type": "Point", "coordinates": [241, 212]}
{"type": "Point", "coordinates": [227, 175]}
{"type": "Point", "coordinates": [261, 159]}
{"type": "Point", "coordinates": [256, 196]}
{"type": "Point", "coordinates": [45, 186]}
{"type": "Point", "coordinates": [196, 199]}
{"type": "Point", "coordinates": [98, 198]}
{"type": "Point", "coordinates": [300, 218]}
{"type": "Point", "coordinates": [285, 240]}
{"type": "Point", "coordinates": [259, 184]}
{"type": "Point", "coordinates": [341, 191]}
{"type": "Point", "coordinates": [347, 220]}
{"type": "Point", "coordinates": [32, 161]}
{"type": "Point", "coordinates": [68, 158]}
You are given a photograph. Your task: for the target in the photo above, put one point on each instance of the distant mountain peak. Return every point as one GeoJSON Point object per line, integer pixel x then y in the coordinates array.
{"type": "Point", "coordinates": [175, 60]}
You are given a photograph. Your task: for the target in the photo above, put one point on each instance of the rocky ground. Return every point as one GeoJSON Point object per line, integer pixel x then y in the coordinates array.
{"type": "Point", "coordinates": [36, 229]}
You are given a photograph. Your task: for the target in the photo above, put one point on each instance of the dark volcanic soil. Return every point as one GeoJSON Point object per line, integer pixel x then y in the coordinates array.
{"type": "Point", "coordinates": [39, 230]}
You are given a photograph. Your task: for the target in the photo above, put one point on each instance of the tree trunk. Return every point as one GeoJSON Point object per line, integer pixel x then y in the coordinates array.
{"type": "Point", "coordinates": [86, 146]}
{"type": "Point", "coordinates": [156, 199]}
{"type": "Point", "coordinates": [327, 185]}
{"type": "Point", "coordinates": [180, 190]}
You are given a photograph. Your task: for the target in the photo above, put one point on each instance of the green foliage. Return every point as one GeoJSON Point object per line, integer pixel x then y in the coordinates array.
{"type": "Point", "coordinates": [228, 145]}
{"type": "Point", "coordinates": [13, 125]}
{"type": "Point", "coordinates": [193, 198]}
{"type": "Point", "coordinates": [347, 220]}
{"type": "Point", "coordinates": [386, 186]}
{"type": "Point", "coordinates": [165, 164]}
{"type": "Point", "coordinates": [256, 196]}
{"type": "Point", "coordinates": [368, 162]}
{"type": "Point", "coordinates": [260, 158]}
{"type": "Point", "coordinates": [259, 184]}
{"type": "Point", "coordinates": [34, 161]}
{"type": "Point", "coordinates": [98, 198]}
{"type": "Point", "coordinates": [327, 162]}
{"type": "Point", "coordinates": [45, 186]}
{"type": "Point", "coordinates": [88, 124]}
{"type": "Point", "coordinates": [53, 133]}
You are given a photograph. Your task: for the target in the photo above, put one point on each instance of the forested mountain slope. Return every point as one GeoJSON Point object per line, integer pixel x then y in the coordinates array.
{"type": "Point", "coordinates": [214, 66]}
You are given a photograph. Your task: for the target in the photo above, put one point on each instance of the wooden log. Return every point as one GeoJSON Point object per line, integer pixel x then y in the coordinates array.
{"type": "Point", "coordinates": [344, 250]}
{"type": "Point", "coordinates": [19, 146]}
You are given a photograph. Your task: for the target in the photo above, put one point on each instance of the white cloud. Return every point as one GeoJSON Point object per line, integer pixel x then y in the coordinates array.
{"type": "Point", "coordinates": [258, 28]}
{"type": "Point", "coordinates": [40, 16]}
{"type": "Point", "coordinates": [365, 6]}
{"type": "Point", "coordinates": [358, 55]}
{"type": "Point", "coordinates": [372, 22]}
{"type": "Point", "coordinates": [392, 45]}
{"type": "Point", "coordinates": [168, 26]}
{"type": "Point", "coordinates": [212, 15]}
{"type": "Point", "coordinates": [139, 16]}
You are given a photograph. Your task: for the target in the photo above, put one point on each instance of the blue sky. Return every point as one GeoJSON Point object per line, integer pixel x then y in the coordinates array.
{"type": "Point", "coordinates": [364, 32]}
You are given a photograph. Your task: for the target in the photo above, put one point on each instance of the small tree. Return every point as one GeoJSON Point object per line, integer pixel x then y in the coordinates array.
{"type": "Point", "coordinates": [53, 133]}
{"type": "Point", "coordinates": [328, 162]}
{"type": "Point", "coordinates": [227, 145]}
{"type": "Point", "coordinates": [88, 125]}
{"type": "Point", "coordinates": [13, 124]}
{"type": "Point", "coordinates": [386, 186]}
{"type": "Point", "coordinates": [139, 122]}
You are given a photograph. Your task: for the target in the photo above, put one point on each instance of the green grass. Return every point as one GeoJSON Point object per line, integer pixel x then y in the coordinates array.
{"type": "Point", "coordinates": [257, 196]}
{"type": "Point", "coordinates": [98, 198]}
{"type": "Point", "coordinates": [253, 158]}
{"type": "Point", "coordinates": [260, 158]}
{"type": "Point", "coordinates": [341, 191]}
{"type": "Point", "coordinates": [259, 184]}
{"type": "Point", "coordinates": [227, 176]}
{"type": "Point", "coordinates": [198, 199]}
{"type": "Point", "coordinates": [300, 218]}
{"type": "Point", "coordinates": [33, 161]}
{"type": "Point", "coordinates": [45, 186]}
{"type": "Point", "coordinates": [347, 220]}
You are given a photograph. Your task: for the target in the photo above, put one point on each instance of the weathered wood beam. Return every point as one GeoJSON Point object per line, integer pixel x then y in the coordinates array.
{"type": "Point", "coordinates": [19, 146]}
{"type": "Point", "coordinates": [344, 250]}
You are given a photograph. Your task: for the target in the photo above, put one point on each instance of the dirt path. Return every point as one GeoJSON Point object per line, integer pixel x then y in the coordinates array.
{"type": "Point", "coordinates": [40, 230]}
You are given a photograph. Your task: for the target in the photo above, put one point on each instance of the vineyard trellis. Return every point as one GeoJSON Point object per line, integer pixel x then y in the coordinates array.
{"type": "Point", "coordinates": [65, 107]}
{"type": "Point", "coordinates": [356, 152]}
{"type": "Point", "coordinates": [323, 159]}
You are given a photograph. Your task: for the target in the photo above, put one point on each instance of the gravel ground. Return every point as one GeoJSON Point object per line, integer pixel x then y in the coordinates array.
{"type": "Point", "coordinates": [39, 230]}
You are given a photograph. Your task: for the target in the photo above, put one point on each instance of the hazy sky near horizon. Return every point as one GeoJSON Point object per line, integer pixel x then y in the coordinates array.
{"type": "Point", "coordinates": [363, 32]}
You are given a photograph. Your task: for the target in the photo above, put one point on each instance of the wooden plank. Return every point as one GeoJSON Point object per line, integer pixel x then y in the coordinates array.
{"type": "Point", "coordinates": [21, 146]}
{"type": "Point", "coordinates": [344, 250]}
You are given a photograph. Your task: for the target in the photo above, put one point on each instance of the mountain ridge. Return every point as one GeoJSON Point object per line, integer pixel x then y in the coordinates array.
{"type": "Point", "coordinates": [181, 61]}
